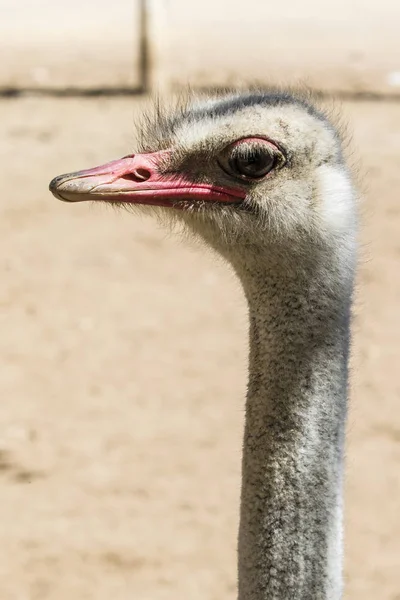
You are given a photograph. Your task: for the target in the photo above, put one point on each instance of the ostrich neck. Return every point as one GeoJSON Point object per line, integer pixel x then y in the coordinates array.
{"type": "Point", "coordinates": [290, 539]}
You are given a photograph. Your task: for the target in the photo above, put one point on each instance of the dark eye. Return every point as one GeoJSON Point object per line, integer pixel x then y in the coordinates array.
{"type": "Point", "coordinates": [250, 159]}
{"type": "Point", "coordinates": [254, 165]}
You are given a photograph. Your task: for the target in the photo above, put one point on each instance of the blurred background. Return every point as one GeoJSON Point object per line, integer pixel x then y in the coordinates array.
{"type": "Point", "coordinates": [123, 351]}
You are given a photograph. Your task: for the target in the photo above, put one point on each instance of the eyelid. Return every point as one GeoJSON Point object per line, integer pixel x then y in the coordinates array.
{"type": "Point", "coordinates": [245, 149]}
{"type": "Point", "coordinates": [261, 140]}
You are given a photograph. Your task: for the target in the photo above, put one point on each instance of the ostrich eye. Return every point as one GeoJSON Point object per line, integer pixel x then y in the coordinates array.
{"type": "Point", "coordinates": [250, 159]}
{"type": "Point", "coordinates": [253, 166]}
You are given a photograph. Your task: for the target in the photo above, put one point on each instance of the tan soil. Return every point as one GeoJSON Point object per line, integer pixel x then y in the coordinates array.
{"type": "Point", "coordinates": [124, 370]}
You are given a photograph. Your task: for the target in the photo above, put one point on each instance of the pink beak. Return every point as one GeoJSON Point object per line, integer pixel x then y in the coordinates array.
{"type": "Point", "coordinates": [135, 179]}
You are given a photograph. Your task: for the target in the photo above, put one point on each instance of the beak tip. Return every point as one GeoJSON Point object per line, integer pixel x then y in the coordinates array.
{"type": "Point", "coordinates": [54, 186]}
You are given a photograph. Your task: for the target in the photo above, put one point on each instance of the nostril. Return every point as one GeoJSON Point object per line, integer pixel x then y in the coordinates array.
{"type": "Point", "coordinates": [143, 174]}
{"type": "Point", "coordinates": [138, 175]}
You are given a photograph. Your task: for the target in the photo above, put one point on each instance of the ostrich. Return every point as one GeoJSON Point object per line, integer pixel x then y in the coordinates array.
{"type": "Point", "coordinates": [260, 177]}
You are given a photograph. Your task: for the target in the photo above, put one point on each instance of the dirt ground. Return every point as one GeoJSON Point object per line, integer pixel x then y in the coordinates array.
{"type": "Point", "coordinates": [123, 376]}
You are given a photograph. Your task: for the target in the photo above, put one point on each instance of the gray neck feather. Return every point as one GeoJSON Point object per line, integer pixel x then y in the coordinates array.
{"type": "Point", "coordinates": [290, 536]}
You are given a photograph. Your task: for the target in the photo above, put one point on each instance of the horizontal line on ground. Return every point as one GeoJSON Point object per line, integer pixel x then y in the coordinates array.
{"type": "Point", "coordinates": [75, 92]}
{"type": "Point", "coordinates": [68, 92]}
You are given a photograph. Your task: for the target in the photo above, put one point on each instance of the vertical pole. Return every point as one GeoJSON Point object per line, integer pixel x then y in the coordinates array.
{"type": "Point", "coordinates": [143, 47]}
{"type": "Point", "coordinates": [153, 45]}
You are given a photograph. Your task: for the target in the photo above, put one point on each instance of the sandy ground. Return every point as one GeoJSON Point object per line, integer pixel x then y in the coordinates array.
{"type": "Point", "coordinates": [123, 376]}
{"type": "Point", "coordinates": [47, 44]}
{"type": "Point", "coordinates": [332, 45]}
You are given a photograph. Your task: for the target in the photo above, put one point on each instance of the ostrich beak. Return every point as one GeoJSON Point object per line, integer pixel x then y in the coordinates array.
{"type": "Point", "coordinates": [136, 179]}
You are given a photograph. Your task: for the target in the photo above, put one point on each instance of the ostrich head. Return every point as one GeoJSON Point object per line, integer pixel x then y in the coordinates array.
{"type": "Point", "coordinates": [245, 170]}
